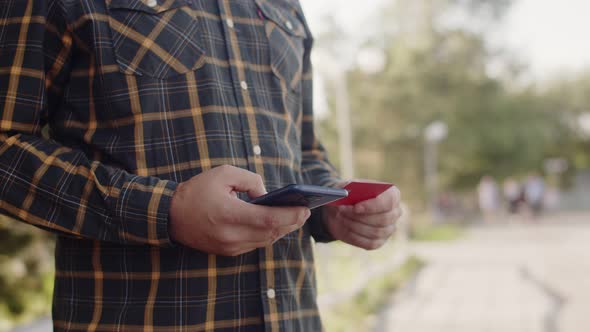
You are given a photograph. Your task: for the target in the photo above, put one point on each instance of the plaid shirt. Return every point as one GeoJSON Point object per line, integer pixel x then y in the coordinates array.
{"type": "Point", "coordinates": [139, 95]}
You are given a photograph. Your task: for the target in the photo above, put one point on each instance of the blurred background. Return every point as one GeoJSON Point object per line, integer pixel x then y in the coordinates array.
{"type": "Point", "coordinates": [479, 111]}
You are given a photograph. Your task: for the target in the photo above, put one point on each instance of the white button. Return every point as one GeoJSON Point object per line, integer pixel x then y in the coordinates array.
{"type": "Point", "coordinates": [152, 3]}
{"type": "Point", "coordinates": [257, 150]}
{"type": "Point", "coordinates": [270, 293]}
{"type": "Point", "coordinates": [289, 25]}
{"type": "Point", "coordinates": [230, 23]}
{"type": "Point", "coordinates": [244, 85]}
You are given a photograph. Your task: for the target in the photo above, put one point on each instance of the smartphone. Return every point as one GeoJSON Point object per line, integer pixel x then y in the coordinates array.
{"type": "Point", "coordinates": [301, 195]}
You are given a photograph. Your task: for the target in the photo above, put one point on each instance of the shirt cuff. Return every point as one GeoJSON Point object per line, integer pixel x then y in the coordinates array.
{"type": "Point", "coordinates": [318, 229]}
{"type": "Point", "coordinates": [143, 208]}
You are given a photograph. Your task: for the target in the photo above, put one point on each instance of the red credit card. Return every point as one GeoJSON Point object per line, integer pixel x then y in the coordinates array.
{"type": "Point", "coordinates": [361, 191]}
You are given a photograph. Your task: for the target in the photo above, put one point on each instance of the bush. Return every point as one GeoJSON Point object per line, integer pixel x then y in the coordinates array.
{"type": "Point", "coordinates": [359, 313]}
{"type": "Point", "coordinates": [26, 272]}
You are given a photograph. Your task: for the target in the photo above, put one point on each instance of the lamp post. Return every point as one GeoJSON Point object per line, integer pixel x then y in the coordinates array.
{"type": "Point", "coordinates": [584, 124]}
{"type": "Point", "coordinates": [344, 127]}
{"type": "Point", "coordinates": [434, 133]}
{"type": "Point", "coordinates": [335, 71]}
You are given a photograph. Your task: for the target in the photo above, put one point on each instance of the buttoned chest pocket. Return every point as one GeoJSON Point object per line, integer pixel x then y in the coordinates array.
{"type": "Point", "coordinates": [156, 38]}
{"type": "Point", "coordinates": [286, 35]}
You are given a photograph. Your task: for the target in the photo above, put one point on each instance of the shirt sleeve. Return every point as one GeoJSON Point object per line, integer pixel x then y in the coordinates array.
{"type": "Point", "coordinates": [42, 182]}
{"type": "Point", "coordinates": [315, 166]}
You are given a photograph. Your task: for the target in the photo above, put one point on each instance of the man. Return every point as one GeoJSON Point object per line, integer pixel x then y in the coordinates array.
{"type": "Point", "coordinates": [162, 115]}
{"type": "Point", "coordinates": [534, 194]}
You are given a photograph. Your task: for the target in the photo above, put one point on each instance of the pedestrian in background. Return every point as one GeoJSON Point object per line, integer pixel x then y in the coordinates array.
{"type": "Point", "coordinates": [512, 194]}
{"type": "Point", "coordinates": [487, 191]}
{"type": "Point", "coordinates": [534, 194]}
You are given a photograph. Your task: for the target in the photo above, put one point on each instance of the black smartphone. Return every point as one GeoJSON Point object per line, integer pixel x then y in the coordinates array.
{"type": "Point", "coordinates": [301, 195]}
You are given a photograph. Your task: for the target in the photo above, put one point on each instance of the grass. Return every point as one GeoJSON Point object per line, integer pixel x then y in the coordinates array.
{"type": "Point", "coordinates": [359, 313]}
{"type": "Point", "coordinates": [26, 273]}
{"type": "Point", "coordinates": [340, 265]}
{"type": "Point", "coordinates": [442, 232]}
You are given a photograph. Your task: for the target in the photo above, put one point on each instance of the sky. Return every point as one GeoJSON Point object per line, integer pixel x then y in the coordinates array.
{"type": "Point", "coordinates": [550, 36]}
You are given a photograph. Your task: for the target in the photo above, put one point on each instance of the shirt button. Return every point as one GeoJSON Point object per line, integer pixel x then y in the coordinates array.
{"type": "Point", "coordinates": [230, 23]}
{"type": "Point", "coordinates": [244, 85]}
{"type": "Point", "coordinates": [152, 3]}
{"type": "Point", "coordinates": [289, 25]}
{"type": "Point", "coordinates": [257, 150]}
{"type": "Point", "coordinates": [271, 293]}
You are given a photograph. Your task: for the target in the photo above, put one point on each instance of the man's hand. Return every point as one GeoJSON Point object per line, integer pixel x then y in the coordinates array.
{"type": "Point", "coordinates": [367, 224]}
{"type": "Point", "coordinates": [207, 215]}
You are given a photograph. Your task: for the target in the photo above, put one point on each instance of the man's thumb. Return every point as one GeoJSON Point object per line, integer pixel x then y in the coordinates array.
{"type": "Point", "coordinates": [242, 180]}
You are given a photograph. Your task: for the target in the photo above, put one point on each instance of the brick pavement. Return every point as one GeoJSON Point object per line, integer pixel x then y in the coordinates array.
{"type": "Point", "coordinates": [501, 278]}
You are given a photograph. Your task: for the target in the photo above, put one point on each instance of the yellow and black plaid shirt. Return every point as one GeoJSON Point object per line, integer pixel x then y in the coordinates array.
{"type": "Point", "coordinates": [139, 95]}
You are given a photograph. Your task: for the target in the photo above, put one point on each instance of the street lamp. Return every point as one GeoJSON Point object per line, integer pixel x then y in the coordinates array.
{"type": "Point", "coordinates": [584, 124]}
{"type": "Point", "coordinates": [370, 60]}
{"type": "Point", "coordinates": [335, 71]}
{"type": "Point", "coordinates": [434, 133]}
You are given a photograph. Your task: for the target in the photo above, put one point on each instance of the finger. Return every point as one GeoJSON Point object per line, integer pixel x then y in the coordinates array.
{"type": "Point", "coordinates": [269, 217]}
{"type": "Point", "coordinates": [371, 232]}
{"type": "Point", "coordinates": [244, 237]}
{"type": "Point", "coordinates": [235, 240]}
{"type": "Point", "coordinates": [363, 242]}
{"type": "Point", "coordinates": [397, 195]}
{"type": "Point", "coordinates": [398, 212]}
{"type": "Point", "coordinates": [379, 204]}
{"type": "Point", "coordinates": [238, 238]}
{"type": "Point", "coordinates": [341, 184]}
{"type": "Point", "coordinates": [276, 236]}
{"type": "Point", "coordinates": [246, 247]}
{"type": "Point", "coordinates": [374, 220]}
{"type": "Point", "coordinates": [242, 180]}
{"type": "Point", "coordinates": [243, 251]}
{"type": "Point", "coordinates": [346, 209]}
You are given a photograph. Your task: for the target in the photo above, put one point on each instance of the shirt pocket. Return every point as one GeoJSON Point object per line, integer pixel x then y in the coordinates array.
{"type": "Point", "coordinates": [156, 38]}
{"type": "Point", "coordinates": [286, 34]}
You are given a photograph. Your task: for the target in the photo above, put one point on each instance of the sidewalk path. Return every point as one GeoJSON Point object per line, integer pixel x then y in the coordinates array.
{"type": "Point", "coordinates": [501, 278]}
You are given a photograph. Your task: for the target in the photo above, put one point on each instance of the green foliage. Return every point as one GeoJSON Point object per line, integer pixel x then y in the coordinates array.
{"type": "Point", "coordinates": [438, 71]}
{"type": "Point", "coordinates": [340, 265]}
{"type": "Point", "coordinates": [507, 134]}
{"type": "Point", "coordinates": [440, 232]}
{"type": "Point", "coordinates": [571, 96]}
{"type": "Point", "coordinates": [357, 314]}
{"type": "Point", "coordinates": [12, 242]}
{"type": "Point", "coordinates": [26, 272]}
{"type": "Point", "coordinates": [375, 296]}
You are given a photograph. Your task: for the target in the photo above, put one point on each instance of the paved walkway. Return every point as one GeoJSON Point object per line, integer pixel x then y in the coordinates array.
{"type": "Point", "coordinates": [501, 278]}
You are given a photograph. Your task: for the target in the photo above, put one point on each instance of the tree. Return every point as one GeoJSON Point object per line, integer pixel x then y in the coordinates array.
{"type": "Point", "coordinates": [437, 69]}
{"type": "Point", "coordinates": [26, 265]}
